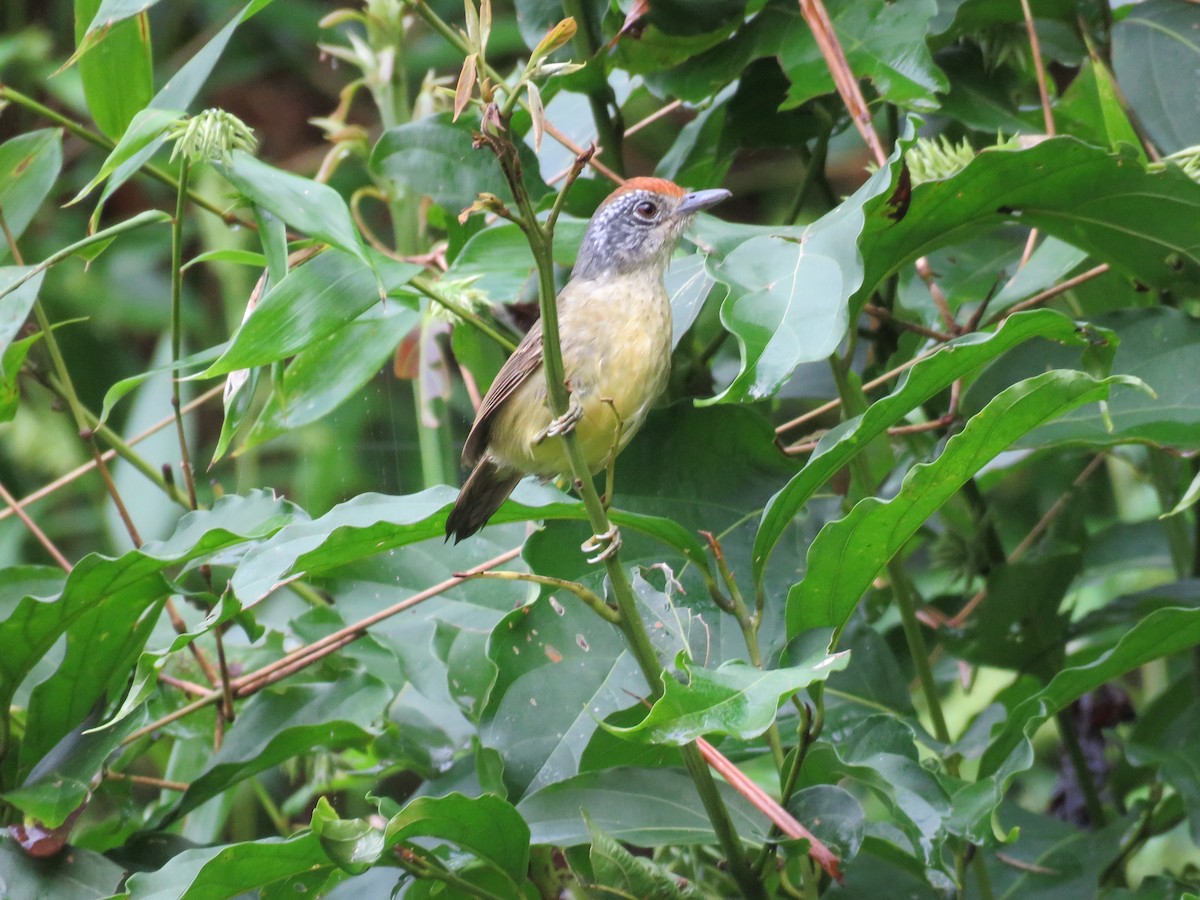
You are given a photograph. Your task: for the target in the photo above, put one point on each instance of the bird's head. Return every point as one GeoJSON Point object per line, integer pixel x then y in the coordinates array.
{"type": "Point", "coordinates": [637, 226]}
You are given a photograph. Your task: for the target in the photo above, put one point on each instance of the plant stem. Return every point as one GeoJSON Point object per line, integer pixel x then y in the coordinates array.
{"type": "Point", "coordinates": [605, 112]}
{"type": "Point", "coordinates": [1091, 796]}
{"type": "Point", "coordinates": [917, 648]}
{"type": "Point", "coordinates": [177, 325]}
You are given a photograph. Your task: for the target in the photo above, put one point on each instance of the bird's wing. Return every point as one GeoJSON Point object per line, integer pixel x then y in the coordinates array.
{"type": "Point", "coordinates": [525, 360]}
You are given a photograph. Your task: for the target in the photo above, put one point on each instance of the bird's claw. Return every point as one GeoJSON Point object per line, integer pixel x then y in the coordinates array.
{"type": "Point", "coordinates": [606, 544]}
{"type": "Point", "coordinates": [564, 424]}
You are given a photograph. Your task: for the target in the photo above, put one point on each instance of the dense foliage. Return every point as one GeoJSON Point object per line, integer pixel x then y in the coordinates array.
{"type": "Point", "coordinates": [909, 553]}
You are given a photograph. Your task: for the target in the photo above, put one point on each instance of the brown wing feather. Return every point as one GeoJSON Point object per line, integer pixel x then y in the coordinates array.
{"type": "Point", "coordinates": [525, 360]}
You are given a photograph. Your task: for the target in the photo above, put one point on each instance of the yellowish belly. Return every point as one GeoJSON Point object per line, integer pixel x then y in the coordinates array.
{"type": "Point", "coordinates": [617, 362]}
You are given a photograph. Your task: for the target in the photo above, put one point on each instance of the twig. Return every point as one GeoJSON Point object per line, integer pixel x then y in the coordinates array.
{"type": "Point", "coordinates": [833, 404]}
{"type": "Point", "coordinates": [886, 315]}
{"type": "Point", "coordinates": [160, 783]}
{"type": "Point", "coordinates": [42, 539]}
{"type": "Point", "coordinates": [1060, 288]}
{"type": "Point", "coordinates": [1039, 68]}
{"type": "Point", "coordinates": [780, 817]}
{"type": "Point", "coordinates": [310, 653]}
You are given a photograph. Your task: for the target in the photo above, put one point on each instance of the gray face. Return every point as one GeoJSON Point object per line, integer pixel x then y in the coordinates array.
{"type": "Point", "coordinates": [634, 231]}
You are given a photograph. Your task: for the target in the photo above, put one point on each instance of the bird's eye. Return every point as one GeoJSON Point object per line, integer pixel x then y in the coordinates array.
{"type": "Point", "coordinates": [646, 211]}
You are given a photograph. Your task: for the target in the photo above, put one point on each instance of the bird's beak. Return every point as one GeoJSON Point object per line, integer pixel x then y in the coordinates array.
{"type": "Point", "coordinates": [698, 200]}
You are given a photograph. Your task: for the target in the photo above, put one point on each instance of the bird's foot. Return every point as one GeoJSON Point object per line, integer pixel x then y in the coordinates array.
{"type": "Point", "coordinates": [564, 424]}
{"type": "Point", "coordinates": [603, 545]}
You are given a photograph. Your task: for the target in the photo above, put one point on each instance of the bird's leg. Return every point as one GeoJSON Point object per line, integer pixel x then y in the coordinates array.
{"type": "Point", "coordinates": [603, 545]}
{"type": "Point", "coordinates": [611, 464]}
{"type": "Point", "coordinates": [564, 424]}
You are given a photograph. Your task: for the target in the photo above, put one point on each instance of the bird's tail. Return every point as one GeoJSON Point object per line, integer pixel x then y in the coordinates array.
{"type": "Point", "coordinates": [488, 487]}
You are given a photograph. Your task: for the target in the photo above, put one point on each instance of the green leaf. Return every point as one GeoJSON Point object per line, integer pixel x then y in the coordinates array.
{"type": "Point", "coordinates": [833, 815]}
{"type": "Point", "coordinates": [117, 69]}
{"type": "Point", "coordinates": [1092, 105]}
{"type": "Point", "coordinates": [371, 523]}
{"type": "Point", "coordinates": [643, 807]}
{"type": "Point", "coordinates": [314, 301]}
{"type": "Point", "coordinates": [16, 302]}
{"type": "Point", "coordinates": [232, 870]}
{"type": "Point", "coordinates": [790, 290]}
{"type": "Point", "coordinates": [737, 699]}
{"type": "Point", "coordinates": [1157, 346]}
{"type": "Point", "coordinates": [883, 41]}
{"type": "Point", "coordinates": [487, 826]}
{"type": "Point", "coordinates": [309, 206]}
{"type": "Point", "coordinates": [142, 136]}
{"type": "Point", "coordinates": [29, 166]}
{"type": "Point", "coordinates": [1052, 186]}
{"type": "Point", "coordinates": [1155, 55]}
{"type": "Point", "coordinates": [11, 361]}
{"type": "Point", "coordinates": [434, 158]}
{"type": "Point", "coordinates": [1161, 634]}
{"type": "Point", "coordinates": [109, 12]}
{"type": "Point", "coordinates": [849, 553]}
{"type": "Point", "coordinates": [100, 612]}
{"type": "Point", "coordinates": [499, 260]}
{"type": "Point", "coordinates": [326, 374]}
{"type": "Point", "coordinates": [283, 721]}
{"type": "Point", "coordinates": [78, 875]}
{"type": "Point", "coordinates": [617, 870]}
{"type": "Point", "coordinates": [560, 669]}
{"type": "Point", "coordinates": [952, 361]}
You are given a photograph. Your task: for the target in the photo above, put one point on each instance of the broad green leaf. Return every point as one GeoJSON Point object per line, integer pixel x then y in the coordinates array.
{"type": "Point", "coordinates": [314, 301]}
{"type": "Point", "coordinates": [833, 815]}
{"type": "Point", "coordinates": [880, 755]}
{"type": "Point", "coordinates": [560, 670]}
{"type": "Point", "coordinates": [1161, 634]}
{"type": "Point", "coordinates": [790, 290]}
{"type": "Point", "coordinates": [1155, 55]}
{"type": "Point", "coordinates": [737, 699]}
{"type": "Point", "coordinates": [61, 783]}
{"type": "Point", "coordinates": [117, 67]}
{"type": "Point", "coordinates": [29, 166]}
{"type": "Point", "coordinates": [487, 826]}
{"type": "Point", "coordinates": [77, 875]}
{"type": "Point", "coordinates": [230, 255]}
{"type": "Point", "coordinates": [499, 263]}
{"type": "Point", "coordinates": [952, 361]}
{"type": "Point", "coordinates": [326, 374]}
{"type": "Point", "coordinates": [16, 302]}
{"type": "Point", "coordinates": [233, 870]}
{"type": "Point", "coordinates": [435, 158]}
{"type": "Point", "coordinates": [1145, 225]}
{"type": "Point", "coordinates": [371, 523]}
{"type": "Point", "coordinates": [1157, 346]}
{"type": "Point", "coordinates": [288, 720]}
{"type": "Point", "coordinates": [145, 131]}
{"type": "Point", "coordinates": [1167, 736]}
{"type": "Point", "coordinates": [309, 206]}
{"type": "Point", "coordinates": [883, 41]}
{"type": "Point", "coordinates": [849, 553]}
{"type": "Point", "coordinates": [98, 611]}
{"type": "Point", "coordinates": [643, 807]}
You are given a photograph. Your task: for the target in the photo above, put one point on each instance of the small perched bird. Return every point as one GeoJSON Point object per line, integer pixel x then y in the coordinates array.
{"type": "Point", "coordinates": [614, 319]}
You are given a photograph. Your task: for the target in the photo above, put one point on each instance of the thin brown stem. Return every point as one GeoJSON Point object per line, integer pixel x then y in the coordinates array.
{"type": "Point", "coordinates": [160, 783]}
{"type": "Point", "coordinates": [886, 315]}
{"type": "Point", "coordinates": [1061, 288]}
{"type": "Point", "coordinates": [833, 404]}
{"type": "Point", "coordinates": [1039, 68]}
{"type": "Point", "coordinates": [55, 553]}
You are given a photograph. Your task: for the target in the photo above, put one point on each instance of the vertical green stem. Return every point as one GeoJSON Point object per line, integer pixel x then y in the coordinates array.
{"type": "Point", "coordinates": [605, 112]}
{"type": "Point", "coordinates": [177, 326]}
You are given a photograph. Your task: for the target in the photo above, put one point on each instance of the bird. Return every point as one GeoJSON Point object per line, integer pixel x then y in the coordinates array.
{"type": "Point", "coordinates": [614, 320]}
